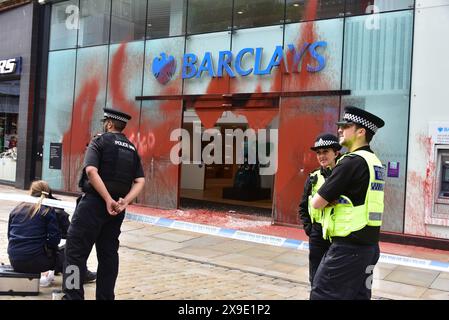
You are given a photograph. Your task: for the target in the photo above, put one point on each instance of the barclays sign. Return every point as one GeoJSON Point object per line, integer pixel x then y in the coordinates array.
{"type": "Point", "coordinates": [164, 66]}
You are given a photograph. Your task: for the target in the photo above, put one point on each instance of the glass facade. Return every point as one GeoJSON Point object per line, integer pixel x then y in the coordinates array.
{"type": "Point", "coordinates": [209, 16]}
{"type": "Point", "coordinates": [257, 13]}
{"type": "Point", "coordinates": [166, 18]}
{"type": "Point", "coordinates": [95, 16]}
{"type": "Point", "coordinates": [64, 25]}
{"type": "Point", "coordinates": [311, 46]}
{"type": "Point", "coordinates": [377, 69]}
{"type": "Point", "coordinates": [128, 20]}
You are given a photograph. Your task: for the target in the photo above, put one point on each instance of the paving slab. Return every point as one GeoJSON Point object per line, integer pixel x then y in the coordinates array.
{"type": "Point", "coordinates": [177, 235]}
{"type": "Point", "coordinates": [441, 282]}
{"type": "Point", "coordinates": [396, 290]}
{"type": "Point", "coordinates": [244, 260]}
{"type": "Point", "coordinates": [413, 276]}
{"type": "Point", "coordinates": [432, 294]}
{"type": "Point", "coordinates": [299, 258]}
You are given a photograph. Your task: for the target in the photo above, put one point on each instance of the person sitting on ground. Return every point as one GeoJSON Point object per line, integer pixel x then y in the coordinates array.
{"type": "Point", "coordinates": [34, 235]}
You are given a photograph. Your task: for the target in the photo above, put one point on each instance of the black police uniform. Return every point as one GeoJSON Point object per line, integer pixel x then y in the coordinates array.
{"type": "Point", "coordinates": [118, 165]}
{"type": "Point", "coordinates": [317, 245]}
{"type": "Point", "coordinates": [345, 272]}
{"type": "Point", "coordinates": [346, 277]}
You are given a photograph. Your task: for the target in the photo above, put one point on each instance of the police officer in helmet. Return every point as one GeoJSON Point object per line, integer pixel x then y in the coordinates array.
{"type": "Point", "coordinates": [327, 149]}
{"type": "Point", "coordinates": [353, 202]}
{"type": "Point", "coordinates": [112, 178]}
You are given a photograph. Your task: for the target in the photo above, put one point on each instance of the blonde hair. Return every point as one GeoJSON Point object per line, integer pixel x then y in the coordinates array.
{"type": "Point", "coordinates": [41, 189]}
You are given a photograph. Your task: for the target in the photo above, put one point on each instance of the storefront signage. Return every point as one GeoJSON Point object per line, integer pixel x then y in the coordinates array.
{"type": "Point", "coordinates": [10, 66]}
{"type": "Point", "coordinates": [164, 66]}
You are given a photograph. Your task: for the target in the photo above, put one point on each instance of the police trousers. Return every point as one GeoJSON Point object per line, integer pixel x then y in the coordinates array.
{"type": "Point", "coordinates": [91, 224]}
{"type": "Point", "coordinates": [346, 272]}
{"type": "Point", "coordinates": [317, 249]}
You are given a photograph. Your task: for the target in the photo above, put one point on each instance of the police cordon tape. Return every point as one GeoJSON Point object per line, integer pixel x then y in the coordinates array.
{"type": "Point", "coordinates": [231, 233]}
{"type": "Point", "coordinates": [275, 241]}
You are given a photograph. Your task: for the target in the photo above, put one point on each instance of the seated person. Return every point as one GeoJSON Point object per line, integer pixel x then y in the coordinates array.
{"type": "Point", "coordinates": [34, 232]}
{"type": "Point", "coordinates": [34, 235]}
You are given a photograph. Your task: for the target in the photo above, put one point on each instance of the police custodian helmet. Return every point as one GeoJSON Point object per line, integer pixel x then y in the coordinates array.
{"type": "Point", "coordinates": [326, 140]}
{"type": "Point", "coordinates": [116, 115]}
{"type": "Point", "coordinates": [363, 118]}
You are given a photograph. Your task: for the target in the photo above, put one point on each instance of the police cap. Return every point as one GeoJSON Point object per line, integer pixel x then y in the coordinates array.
{"type": "Point", "coordinates": [326, 140]}
{"type": "Point", "coordinates": [363, 118]}
{"type": "Point", "coordinates": [116, 115]}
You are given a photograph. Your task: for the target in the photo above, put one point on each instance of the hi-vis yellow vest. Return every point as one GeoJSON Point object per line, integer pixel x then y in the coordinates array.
{"type": "Point", "coordinates": [316, 215]}
{"type": "Point", "coordinates": [343, 218]}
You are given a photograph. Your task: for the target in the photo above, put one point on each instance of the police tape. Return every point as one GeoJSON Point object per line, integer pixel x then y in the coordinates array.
{"type": "Point", "coordinates": [275, 241]}
{"type": "Point", "coordinates": [231, 233]}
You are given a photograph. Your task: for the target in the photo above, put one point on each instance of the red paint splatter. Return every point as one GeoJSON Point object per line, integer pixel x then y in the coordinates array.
{"type": "Point", "coordinates": [117, 82]}
{"type": "Point", "coordinates": [301, 120]}
{"type": "Point", "coordinates": [153, 138]}
{"type": "Point", "coordinates": [420, 192]}
{"type": "Point", "coordinates": [74, 145]}
{"type": "Point", "coordinates": [304, 80]}
{"type": "Point", "coordinates": [257, 119]}
{"type": "Point", "coordinates": [209, 117]}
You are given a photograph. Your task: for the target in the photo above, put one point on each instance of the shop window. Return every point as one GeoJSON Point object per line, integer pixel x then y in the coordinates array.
{"type": "Point", "coordinates": [128, 20]}
{"type": "Point", "coordinates": [304, 10]}
{"type": "Point", "coordinates": [64, 25]}
{"type": "Point", "coordinates": [359, 7]}
{"type": "Point", "coordinates": [166, 18]}
{"type": "Point", "coordinates": [377, 68]}
{"type": "Point", "coordinates": [58, 115]}
{"type": "Point", "coordinates": [209, 16]}
{"type": "Point", "coordinates": [9, 112]}
{"type": "Point", "coordinates": [94, 22]}
{"type": "Point", "coordinates": [258, 13]}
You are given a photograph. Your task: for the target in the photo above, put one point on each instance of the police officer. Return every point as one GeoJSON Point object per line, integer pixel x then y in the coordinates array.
{"type": "Point", "coordinates": [353, 202]}
{"type": "Point", "coordinates": [327, 150]}
{"type": "Point", "coordinates": [112, 178]}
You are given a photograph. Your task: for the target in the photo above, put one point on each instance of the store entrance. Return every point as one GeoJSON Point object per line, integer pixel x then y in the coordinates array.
{"type": "Point", "coordinates": [217, 175]}
{"type": "Point", "coordinates": [9, 112]}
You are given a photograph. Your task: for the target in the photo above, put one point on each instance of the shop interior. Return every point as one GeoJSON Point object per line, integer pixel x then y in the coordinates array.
{"type": "Point", "coordinates": [223, 183]}
{"type": "Point", "coordinates": [9, 111]}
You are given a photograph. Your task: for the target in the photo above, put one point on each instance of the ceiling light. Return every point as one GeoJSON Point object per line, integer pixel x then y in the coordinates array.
{"type": "Point", "coordinates": [296, 5]}
{"type": "Point", "coordinates": [239, 12]}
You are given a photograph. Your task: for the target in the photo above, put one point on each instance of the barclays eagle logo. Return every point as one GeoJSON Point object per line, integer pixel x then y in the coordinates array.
{"type": "Point", "coordinates": [164, 68]}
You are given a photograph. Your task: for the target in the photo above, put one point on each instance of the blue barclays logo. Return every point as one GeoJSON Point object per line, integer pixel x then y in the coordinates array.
{"type": "Point", "coordinates": [443, 129]}
{"type": "Point", "coordinates": [164, 67]}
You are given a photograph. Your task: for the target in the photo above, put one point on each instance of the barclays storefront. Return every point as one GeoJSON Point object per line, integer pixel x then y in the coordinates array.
{"type": "Point", "coordinates": [285, 66]}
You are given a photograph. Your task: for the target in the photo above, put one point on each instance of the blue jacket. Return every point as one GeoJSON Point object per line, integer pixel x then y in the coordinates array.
{"type": "Point", "coordinates": [29, 237]}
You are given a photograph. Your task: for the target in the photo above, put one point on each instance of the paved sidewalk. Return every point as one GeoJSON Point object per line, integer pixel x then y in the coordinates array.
{"type": "Point", "coordinates": [164, 263]}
